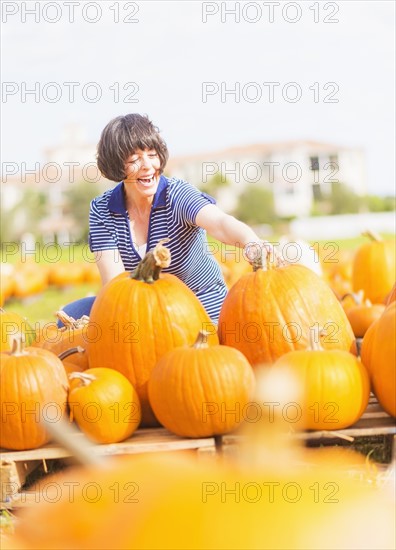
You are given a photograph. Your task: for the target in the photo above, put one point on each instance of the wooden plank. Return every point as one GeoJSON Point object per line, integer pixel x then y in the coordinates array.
{"type": "Point", "coordinates": [142, 441]}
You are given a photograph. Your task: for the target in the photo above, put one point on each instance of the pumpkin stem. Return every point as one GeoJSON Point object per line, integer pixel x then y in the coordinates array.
{"type": "Point", "coordinates": [149, 269]}
{"type": "Point", "coordinates": [372, 235]}
{"type": "Point", "coordinates": [356, 296]}
{"type": "Point", "coordinates": [202, 340]}
{"type": "Point", "coordinates": [85, 378]}
{"type": "Point", "coordinates": [71, 323]}
{"type": "Point", "coordinates": [70, 351]}
{"type": "Point", "coordinates": [315, 333]}
{"type": "Point", "coordinates": [18, 344]}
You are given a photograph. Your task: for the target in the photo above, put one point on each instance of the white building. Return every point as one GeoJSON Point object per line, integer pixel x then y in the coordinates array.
{"type": "Point", "coordinates": [296, 172]}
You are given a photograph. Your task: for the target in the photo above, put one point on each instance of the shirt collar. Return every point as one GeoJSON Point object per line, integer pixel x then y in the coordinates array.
{"type": "Point", "coordinates": [117, 199]}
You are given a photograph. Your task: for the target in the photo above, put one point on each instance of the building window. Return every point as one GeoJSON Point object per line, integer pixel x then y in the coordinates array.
{"type": "Point", "coordinates": [314, 163]}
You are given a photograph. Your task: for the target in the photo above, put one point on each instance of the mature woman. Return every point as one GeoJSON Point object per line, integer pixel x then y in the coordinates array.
{"type": "Point", "coordinates": [146, 206]}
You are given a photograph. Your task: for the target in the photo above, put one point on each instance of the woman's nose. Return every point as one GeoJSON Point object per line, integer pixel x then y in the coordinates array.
{"type": "Point", "coordinates": [145, 162]}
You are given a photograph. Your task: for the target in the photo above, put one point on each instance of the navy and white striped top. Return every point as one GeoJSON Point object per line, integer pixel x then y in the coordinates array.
{"type": "Point", "coordinates": [175, 206]}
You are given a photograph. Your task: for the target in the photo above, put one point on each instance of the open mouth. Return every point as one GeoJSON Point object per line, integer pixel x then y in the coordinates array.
{"type": "Point", "coordinates": [147, 181]}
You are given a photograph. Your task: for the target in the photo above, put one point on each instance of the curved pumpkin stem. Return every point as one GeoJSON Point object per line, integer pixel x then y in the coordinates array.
{"type": "Point", "coordinates": [202, 340]}
{"type": "Point", "coordinates": [149, 269]}
{"type": "Point", "coordinates": [314, 338]}
{"type": "Point", "coordinates": [18, 344]}
{"type": "Point", "coordinates": [85, 378]}
{"type": "Point", "coordinates": [70, 351]}
{"type": "Point", "coordinates": [372, 235]}
{"type": "Point", "coordinates": [71, 323]}
{"type": "Point", "coordinates": [357, 297]}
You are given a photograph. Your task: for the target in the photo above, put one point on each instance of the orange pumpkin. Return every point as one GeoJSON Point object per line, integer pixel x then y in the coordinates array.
{"type": "Point", "coordinates": [12, 324]}
{"type": "Point", "coordinates": [200, 391]}
{"type": "Point", "coordinates": [29, 278]}
{"type": "Point", "coordinates": [362, 314]}
{"type": "Point", "coordinates": [378, 354]}
{"type": "Point", "coordinates": [139, 317]}
{"type": "Point", "coordinates": [72, 365]}
{"type": "Point", "coordinates": [374, 268]}
{"type": "Point", "coordinates": [335, 384]}
{"type": "Point", "coordinates": [104, 404]}
{"type": "Point", "coordinates": [268, 313]}
{"type": "Point", "coordinates": [74, 333]}
{"type": "Point", "coordinates": [33, 382]}
{"type": "Point", "coordinates": [66, 274]}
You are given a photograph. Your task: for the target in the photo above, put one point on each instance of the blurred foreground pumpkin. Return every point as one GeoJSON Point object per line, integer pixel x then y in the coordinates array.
{"type": "Point", "coordinates": [268, 498]}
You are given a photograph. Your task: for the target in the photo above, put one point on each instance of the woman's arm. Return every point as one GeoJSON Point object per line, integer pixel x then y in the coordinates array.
{"type": "Point", "coordinates": [229, 230]}
{"type": "Point", "coordinates": [109, 264]}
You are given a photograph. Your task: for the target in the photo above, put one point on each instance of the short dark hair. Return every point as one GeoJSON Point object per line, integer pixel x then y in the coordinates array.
{"type": "Point", "coordinates": [121, 138]}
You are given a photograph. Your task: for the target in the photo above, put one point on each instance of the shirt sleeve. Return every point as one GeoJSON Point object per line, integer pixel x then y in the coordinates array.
{"type": "Point", "coordinates": [188, 201]}
{"type": "Point", "coordinates": [99, 237]}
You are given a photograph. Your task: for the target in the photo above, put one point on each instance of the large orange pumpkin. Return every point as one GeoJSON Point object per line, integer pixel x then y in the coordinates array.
{"type": "Point", "coordinates": [378, 354]}
{"type": "Point", "coordinates": [33, 383]}
{"type": "Point", "coordinates": [335, 384]}
{"type": "Point", "coordinates": [269, 312]}
{"type": "Point", "coordinates": [140, 316]}
{"type": "Point", "coordinates": [104, 404]}
{"type": "Point", "coordinates": [201, 390]}
{"type": "Point", "coordinates": [374, 268]}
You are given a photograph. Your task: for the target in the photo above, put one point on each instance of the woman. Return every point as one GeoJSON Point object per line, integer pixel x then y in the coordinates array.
{"type": "Point", "coordinates": [131, 218]}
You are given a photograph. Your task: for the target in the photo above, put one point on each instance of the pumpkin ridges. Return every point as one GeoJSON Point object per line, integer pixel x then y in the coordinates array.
{"type": "Point", "coordinates": [166, 313]}
{"type": "Point", "coordinates": [279, 304]}
{"type": "Point", "coordinates": [379, 356]}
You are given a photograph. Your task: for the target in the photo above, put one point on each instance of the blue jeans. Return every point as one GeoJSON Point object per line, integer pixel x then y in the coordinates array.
{"type": "Point", "coordinates": [78, 308]}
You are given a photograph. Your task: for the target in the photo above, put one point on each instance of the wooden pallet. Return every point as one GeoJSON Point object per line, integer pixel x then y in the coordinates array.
{"type": "Point", "coordinates": [16, 465]}
{"type": "Point", "coordinates": [374, 421]}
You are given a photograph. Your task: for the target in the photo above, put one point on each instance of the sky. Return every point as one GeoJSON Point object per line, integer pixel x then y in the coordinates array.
{"type": "Point", "coordinates": [331, 65]}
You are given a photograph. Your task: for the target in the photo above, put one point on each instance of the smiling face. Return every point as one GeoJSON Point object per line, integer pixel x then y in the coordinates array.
{"type": "Point", "coordinates": [142, 172]}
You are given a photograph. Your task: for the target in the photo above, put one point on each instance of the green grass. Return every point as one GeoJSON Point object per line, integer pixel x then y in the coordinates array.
{"type": "Point", "coordinates": [41, 308]}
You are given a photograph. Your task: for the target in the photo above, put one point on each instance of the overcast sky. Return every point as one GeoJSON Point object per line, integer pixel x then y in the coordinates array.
{"type": "Point", "coordinates": [337, 56]}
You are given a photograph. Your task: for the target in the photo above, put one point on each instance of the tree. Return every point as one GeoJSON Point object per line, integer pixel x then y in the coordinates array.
{"type": "Point", "coordinates": [78, 200]}
{"type": "Point", "coordinates": [216, 182]}
{"type": "Point", "coordinates": [256, 206]}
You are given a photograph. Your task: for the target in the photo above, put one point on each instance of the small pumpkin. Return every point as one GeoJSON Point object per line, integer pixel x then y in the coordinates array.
{"type": "Point", "coordinates": [378, 354]}
{"type": "Point", "coordinates": [73, 333]}
{"type": "Point", "coordinates": [71, 365]}
{"type": "Point", "coordinates": [202, 390]}
{"type": "Point", "coordinates": [362, 314]}
{"type": "Point", "coordinates": [374, 268]}
{"type": "Point", "coordinates": [335, 384]}
{"type": "Point", "coordinates": [269, 312]}
{"type": "Point", "coordinates": [11, 325]}
{"type": "Point", "coordinates": [33, 383]}
{"type": "Point", "coordinates": [104, 404]}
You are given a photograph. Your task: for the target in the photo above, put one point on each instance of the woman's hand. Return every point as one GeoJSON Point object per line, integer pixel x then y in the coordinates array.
{"type": "Point", "coordinates": [261, 250]}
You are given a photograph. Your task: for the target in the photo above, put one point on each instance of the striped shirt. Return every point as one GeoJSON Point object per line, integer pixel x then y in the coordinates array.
{"type": "Point", "coordinates": [175, 206]}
